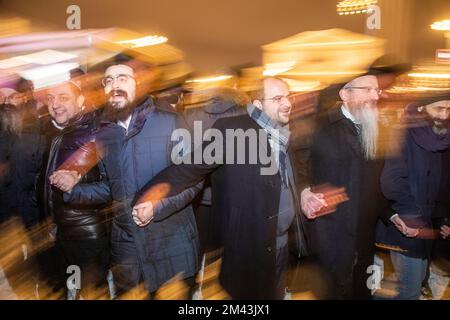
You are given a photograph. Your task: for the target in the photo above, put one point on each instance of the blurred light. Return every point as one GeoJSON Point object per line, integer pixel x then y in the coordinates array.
{"type": "Point", "coordinates": [443, 25]}
{"type": "Point", "coordinates": [427, 78]}
{"type": "Point", "coordinates": [354, 6]}
{"type": "Point", "coordinates": [430, 75]}
{"type": "Point", "coordinates": [273, 69]}
{"type": "Point", "coordinates": [209, 79]}
{"type": "Point", "coordinates": [49, 75]}
{"type": "Point", "coordinates": [303, 86]}
{"type": "Point", "coordinates": [145, 41]}
{"type": "Point", "coordinates": [398, 89]}
{"type": "Point", "coordinates": [440, 54]}
{"type": "Point", "coordinates": [205, 88]}
{"type": "Point", "coordinates": [41, 57]}
{"type": "Point", "coordinates": [327, 56]}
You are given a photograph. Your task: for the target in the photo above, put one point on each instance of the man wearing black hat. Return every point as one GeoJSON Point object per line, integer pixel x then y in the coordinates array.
{"type": "Point", "coordinates": [344, 200]}
{"type": "Point", "coordinates": [411, 180]}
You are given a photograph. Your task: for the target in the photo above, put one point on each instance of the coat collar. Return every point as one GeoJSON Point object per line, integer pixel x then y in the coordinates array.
{"type": "Point", "coordinates": [335, 116]}
{"type": "Point", "coordinates": [143, 108]}
{"type": "Point", "coordinates": [81, 119]}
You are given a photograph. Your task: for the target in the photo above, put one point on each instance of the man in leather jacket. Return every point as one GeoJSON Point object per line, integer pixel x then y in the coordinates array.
{"type": "Point", "coordinates": [82, 230]}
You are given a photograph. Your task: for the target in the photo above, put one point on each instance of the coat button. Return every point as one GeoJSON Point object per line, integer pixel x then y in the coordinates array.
{"type": "Point", "coordinates": [269, 249]}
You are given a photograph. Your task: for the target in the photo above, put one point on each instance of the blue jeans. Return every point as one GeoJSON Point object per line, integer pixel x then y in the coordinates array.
{"type": "Point", "coordinates": [410, 273]}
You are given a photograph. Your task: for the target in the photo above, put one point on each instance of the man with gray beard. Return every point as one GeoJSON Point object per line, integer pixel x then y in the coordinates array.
{"type": "Point", "coordinates": [343, 200]}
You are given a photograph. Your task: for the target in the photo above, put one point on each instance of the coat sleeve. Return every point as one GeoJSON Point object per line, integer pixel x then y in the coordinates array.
{"type": "Point", "coordinates": [95, 193]}
{"type": "Point", "coordinates": [395, 185]}
{"type": "Point", "coordinates": [167, 206]}
{"type": "Point", "coordinates": [176, 186]}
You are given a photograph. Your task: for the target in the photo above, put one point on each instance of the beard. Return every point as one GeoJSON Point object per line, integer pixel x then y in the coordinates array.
{"type": "Point", "coordinates": [440, 127]}
{"type": "Point", "coordinates": [119, 110]}
{"type": "Point", "coordinates": [367, 116]}
{"type": "Point", "coordinates": [10, 120]}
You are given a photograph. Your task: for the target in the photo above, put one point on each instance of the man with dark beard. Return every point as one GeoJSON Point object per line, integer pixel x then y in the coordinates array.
{"type": "Point", "coordinates": [26, 154]}
{"type": "Point", "coordinates": [134, 138]}
{"type": "Point", "coordinates": [411, 180]}
{"type": "Point", "coordinates": [343, 201]}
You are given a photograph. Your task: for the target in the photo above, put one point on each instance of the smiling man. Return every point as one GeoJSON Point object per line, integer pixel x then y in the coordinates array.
{"type": "Point", "coordinates": [344, 155]}
{"type": "Point", "coordinates": [256, 210]}
{"type": "Point", "coordinates": [134, 136]}
{"type": "Point", "coordinates": [81, 235]}
{"type": "Point", "coordinates": [64, 103]}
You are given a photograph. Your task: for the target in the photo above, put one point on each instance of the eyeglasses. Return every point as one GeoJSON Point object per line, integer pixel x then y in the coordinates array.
{"type": "Point", "coordinates": [368, 89]}
{"type": "Point", "coordinates": [121, 78]}
{"type": "Point", "coordinates": [50, 99]}
{"type": "Point", "coordinates": [278, 99]}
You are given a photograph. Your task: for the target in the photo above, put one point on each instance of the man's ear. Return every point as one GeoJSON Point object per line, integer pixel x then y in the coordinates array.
{"type": "Point", "coordinates": [257, 103]}
{"type": "Point", "coordinates": [343, 94]}
{"type": "Point", "coordinates": [80, 101]}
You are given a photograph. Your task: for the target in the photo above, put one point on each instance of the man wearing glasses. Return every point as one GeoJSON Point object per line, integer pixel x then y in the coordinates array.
{"type": "Point", "coordinates": [344, 199]}
{"type": "Point", "coordinates": [134, 138]}
{"type": "Point", "coordinates": [256, 209]}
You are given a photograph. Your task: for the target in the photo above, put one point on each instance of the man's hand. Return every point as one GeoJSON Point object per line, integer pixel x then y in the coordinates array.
{"type": "Point", "coordinates": [311, 202]}
{"type": "Point", "coordinates": [65, 180]}
{"type": "Point", "coordinates": [403, 228]}
{"type": "Point", "coordinates": [445, 231]}
{"type": "Point", "coordinates": [143, 213]}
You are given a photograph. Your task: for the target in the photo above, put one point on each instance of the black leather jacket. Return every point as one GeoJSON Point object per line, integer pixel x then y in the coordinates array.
{"type": "Point", "coordinates": [74, 149]}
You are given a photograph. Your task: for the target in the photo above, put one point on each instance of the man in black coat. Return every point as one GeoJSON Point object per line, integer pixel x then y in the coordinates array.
{"type": "Point", "coordinates": [257, 198]}
{"type": "Point", "coordinates": [82, 230]}
{"type": "Point", "coordinates": [26, 155]}
{"type": "Point", "coordinates": [344, 199]}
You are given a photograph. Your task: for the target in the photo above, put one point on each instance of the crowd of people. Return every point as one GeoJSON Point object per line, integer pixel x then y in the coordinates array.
{"type": "Point", "coordinates": [125, 199]}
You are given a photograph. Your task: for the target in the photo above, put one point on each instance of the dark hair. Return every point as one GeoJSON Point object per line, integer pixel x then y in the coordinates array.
{"type": "Point", "coordinates": [24, 86]}
{"type": "Point", "coordinates": [122, 58]}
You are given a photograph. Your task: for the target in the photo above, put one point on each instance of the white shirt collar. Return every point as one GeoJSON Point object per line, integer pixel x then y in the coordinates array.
{"type": "Point", "coordinates": [347, 114]}
{"type": "Point", "coordinates": [56, 125]}
{"type": "Point", "coordinates": [125, 124]}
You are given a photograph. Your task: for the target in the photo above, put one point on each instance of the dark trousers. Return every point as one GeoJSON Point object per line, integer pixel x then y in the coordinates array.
{"type": "Point", "coordinates": [92, 257]}
{"type": "Point", "coordinates": [208, 226]}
